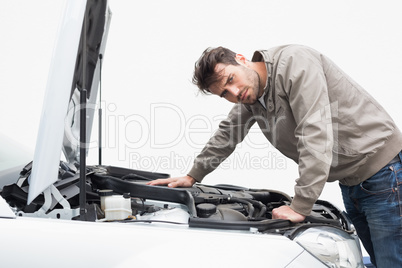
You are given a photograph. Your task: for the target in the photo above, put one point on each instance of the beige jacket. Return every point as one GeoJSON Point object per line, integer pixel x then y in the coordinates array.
{"type": "Point", "coordinates": [317, 116]}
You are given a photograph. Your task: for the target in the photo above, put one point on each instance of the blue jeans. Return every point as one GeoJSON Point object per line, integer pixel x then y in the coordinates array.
{"type": "Point", "coordinates": [375, 208]}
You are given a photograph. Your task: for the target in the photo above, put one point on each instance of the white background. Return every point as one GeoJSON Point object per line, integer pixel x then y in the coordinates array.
{"type": "Point", "coordinates": [154, 117]}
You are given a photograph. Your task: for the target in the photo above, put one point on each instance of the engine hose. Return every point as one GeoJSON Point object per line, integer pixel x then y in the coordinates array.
{"type": "Point", "coordinates": [250, 204]}
{"type": "Point", "coordinates": [261, 206]}
{"type": "Point", "coordinates": [245, 202]}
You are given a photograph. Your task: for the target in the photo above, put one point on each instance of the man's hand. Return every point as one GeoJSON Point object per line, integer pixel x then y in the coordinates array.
{"type": "Point", "coordinates": [185, 181]}
{"type": "Point", "coordinates": [286, 213]}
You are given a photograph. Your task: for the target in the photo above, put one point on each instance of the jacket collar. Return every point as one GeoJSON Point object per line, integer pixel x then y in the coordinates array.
{"type": "Point", "coordinates": [264, 56]}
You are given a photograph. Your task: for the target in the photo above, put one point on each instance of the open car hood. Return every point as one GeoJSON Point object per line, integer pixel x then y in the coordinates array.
{"type": "Point", "coordinates": [59, 127]}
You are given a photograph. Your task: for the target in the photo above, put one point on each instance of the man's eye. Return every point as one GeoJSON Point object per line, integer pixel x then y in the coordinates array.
{"type": "Point", "coordinates": [230, 80]}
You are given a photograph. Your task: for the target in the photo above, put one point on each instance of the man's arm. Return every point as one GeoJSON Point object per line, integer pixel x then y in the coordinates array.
{"type": "Point", "coordinates": [301, 77]}
{"type": "Point", "coordinates": [231, 131]}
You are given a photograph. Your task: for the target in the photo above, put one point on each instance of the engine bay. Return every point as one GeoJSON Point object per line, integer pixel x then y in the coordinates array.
{"type": "Point", "coordinates": [201, 206]}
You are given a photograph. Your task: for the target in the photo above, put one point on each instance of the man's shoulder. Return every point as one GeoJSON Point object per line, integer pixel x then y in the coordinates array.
{"type": "Point", "coordinates": [294, 50]}
{"type": "Point", "coordinates": [298, 56]}
{"type": "Point", "coordinates": [284, 51]}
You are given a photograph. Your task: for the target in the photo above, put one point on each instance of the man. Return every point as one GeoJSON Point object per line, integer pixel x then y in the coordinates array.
{"type": "Point", "coordinates": [315, 114]}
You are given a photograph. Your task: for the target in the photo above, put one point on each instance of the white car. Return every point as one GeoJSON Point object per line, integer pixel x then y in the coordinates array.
{"type": "Point", "coordinates": [57, 213]}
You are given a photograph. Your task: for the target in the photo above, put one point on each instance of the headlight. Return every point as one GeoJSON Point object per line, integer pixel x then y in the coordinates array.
{"type": "Point", "coordinates": [332, 246]}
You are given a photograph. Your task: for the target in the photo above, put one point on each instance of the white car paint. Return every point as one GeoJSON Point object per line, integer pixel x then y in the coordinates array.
{"type": "Point", "coordinates": [62, 243]}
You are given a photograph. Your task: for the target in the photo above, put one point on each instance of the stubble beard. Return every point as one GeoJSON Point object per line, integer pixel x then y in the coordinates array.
{"type": "Point", "coordinates": [254, 78]}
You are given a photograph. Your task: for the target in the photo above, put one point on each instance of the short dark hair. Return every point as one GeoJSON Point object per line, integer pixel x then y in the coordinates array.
{"type": "Point", "coordinates": [204, 70]}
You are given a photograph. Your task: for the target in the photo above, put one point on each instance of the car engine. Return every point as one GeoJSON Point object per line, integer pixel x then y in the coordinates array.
{"type": "Point", "coordinates": [201, 206]}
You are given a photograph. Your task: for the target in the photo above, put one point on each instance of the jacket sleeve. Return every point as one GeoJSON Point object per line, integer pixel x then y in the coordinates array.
{"type": "Point", "coordinates": [231, 131]}
{"type": "Point", "coordinates": [301, 76]}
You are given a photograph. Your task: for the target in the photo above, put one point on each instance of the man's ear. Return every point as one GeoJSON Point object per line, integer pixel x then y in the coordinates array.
{"type": "Point", "coordinates": [241, 59]}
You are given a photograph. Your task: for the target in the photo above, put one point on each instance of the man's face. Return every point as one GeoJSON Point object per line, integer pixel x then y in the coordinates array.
{"type": "Point", "coordinates": [238, 83]}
